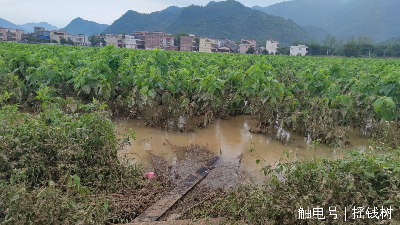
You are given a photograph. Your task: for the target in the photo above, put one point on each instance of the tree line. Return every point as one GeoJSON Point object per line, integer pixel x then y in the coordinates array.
{"type": "Point", "coordinates": [362, 46]}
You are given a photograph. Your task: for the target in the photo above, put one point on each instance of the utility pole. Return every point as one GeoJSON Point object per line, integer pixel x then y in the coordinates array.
{"type": "Point", "coordinates": [369, 52]}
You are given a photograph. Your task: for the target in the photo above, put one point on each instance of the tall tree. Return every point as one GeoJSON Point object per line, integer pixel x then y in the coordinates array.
{"type": "Point", "coordinates": [352, 48]}
{"type": "Point", "coordinates": [364, 40]}
{"type": "Point", "coordinates": [330, 41]}
{"type": "Point", "coordinates": [283, 50]}
{"type": "Point", "coordinates": [63, 41]}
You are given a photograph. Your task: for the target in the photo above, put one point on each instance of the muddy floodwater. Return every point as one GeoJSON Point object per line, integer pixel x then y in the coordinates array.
{"type": "Point", "coordinates": [228, 138]}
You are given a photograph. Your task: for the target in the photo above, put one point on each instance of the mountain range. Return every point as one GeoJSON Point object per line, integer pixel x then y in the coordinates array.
{"type": "Point", "coordinates": [27, 27]}
{"type": "Point", "coordinates": [226, 19]}
{"type": "Point", "coordinates": [288, 21]}
{"type": "Point", "coordinates": [7, 24]}
{"type": "Point", "coordinates": [81, 26]}
{"type": "Point", "coordinates": [377, 19]}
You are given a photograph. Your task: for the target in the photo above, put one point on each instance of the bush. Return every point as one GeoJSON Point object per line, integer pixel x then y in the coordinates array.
{"type": "Point", "coordinates": [56, 167]}
{"type": "Point", "coordinates": [359, 180]}
{"type": "Point", "coordinates": [55, 144]}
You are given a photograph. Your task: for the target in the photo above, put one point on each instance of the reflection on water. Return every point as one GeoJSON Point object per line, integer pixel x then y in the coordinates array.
{"type": "Point", "coordinates": [231, 137]}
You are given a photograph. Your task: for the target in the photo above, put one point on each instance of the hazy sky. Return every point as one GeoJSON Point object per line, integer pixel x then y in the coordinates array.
{"type": "Point", "coordinates": [60, 13]}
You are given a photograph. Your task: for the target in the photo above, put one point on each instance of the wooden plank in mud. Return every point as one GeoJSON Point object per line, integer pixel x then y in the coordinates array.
{"type": "Point", "coordinates": [160, 207]}
{"type": "Point", "coordinates": [207, 221]}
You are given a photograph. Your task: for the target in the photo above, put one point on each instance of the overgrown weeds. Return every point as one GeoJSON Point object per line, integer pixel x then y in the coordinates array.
{"type": "Point", "coordinates": [317, 97]}
{"type": "Point", "coordinates": [57, 167]}
{"type": "Point", "coordinates": [364, 179]}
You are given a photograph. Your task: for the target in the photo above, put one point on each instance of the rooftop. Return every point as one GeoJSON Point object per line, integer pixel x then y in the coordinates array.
{"type": "Point", "coordinates": [59, 31]}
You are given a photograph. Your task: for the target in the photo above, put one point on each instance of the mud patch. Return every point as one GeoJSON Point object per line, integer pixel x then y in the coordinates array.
{"type": "Point", "coordinates": [224, 176]}
{"type": "Point", "coordinates": [130, 203]}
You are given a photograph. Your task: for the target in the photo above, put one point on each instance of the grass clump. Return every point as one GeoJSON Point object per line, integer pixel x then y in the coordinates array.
{"type": "Point", "coordinates": [57, 167]}
{"type": "Point", "coordinates": [361, 179]}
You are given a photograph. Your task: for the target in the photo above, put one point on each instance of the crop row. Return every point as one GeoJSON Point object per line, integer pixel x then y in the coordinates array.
{"type": "Point", "coordinates": [320, 97]}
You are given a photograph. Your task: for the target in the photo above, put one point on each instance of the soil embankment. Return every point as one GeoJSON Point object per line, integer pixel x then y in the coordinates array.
{"type": "Point", "coordinates": [225, 175]}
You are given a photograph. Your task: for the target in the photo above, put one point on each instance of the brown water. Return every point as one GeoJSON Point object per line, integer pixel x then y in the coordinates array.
{"type": "Point", "coordinates": [231, 137]}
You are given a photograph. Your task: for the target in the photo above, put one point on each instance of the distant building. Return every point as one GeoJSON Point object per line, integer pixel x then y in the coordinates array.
{"type": "Point", "coordinates": [38, 30]}
{"type": "Point", "coordinates": [155, 39]}
{"type": "Point", "coordinates": [188, 43]}
{"type": "Point", "coordinates": [3, 34]}
{"type": "Point", "coordinates": [208, 45]}
{"type": "Point", "coordinates": [224, 49]}
{"type": "Point", "coordinates": [117, 40]}
{"type": "Point", "coordinates": [232, 46]}
{"type": "Point", "coordinates": [173, 48]}
{"type": "Point", "coordinates": [58, 35]}
{"type": "Point", "coordinates": [140, 39]}
{"type": "Point", "coordinates": [167, 42]}
{"type": "Point", "coordinates": [99, 39]}
{"type": "Point", "coordinates": [222, 42]}
{"type": "Point", "coordinates": [41, 33]}
{"type": "Point", "coordinates": [80, 39]}
{"type": "Point", "coordinates": [130, 41]}
{"type": "Point", "coordinates": [246, 44]}
{"type": "Point", "coordinates": [11, 35]}
{"type": "Point", "coordinates": [272, 46]}
{"type": "Point", "coordinates": [300, 49]}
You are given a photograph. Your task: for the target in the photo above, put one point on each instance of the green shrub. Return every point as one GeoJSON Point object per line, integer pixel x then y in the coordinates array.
{"type": "Point", "coordinates": [359, 180]}
{"type": "Point", "coordinates": [57, 167]}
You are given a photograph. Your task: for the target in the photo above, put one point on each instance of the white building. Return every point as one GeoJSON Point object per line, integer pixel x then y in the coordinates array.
{"type": "Point", "coordinates": [80, 39]}
{"type": "Point", "coordinates": [300, 49]}
{"type": "Point", "coordinates": [272, 46]}
{"type": "Point", "coordinates": [130, 41]}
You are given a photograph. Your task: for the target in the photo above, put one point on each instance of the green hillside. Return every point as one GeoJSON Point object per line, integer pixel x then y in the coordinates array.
{"type": "Point", "coordinates": [133, 21]}
{"type": "Point", "coordinates": [228, 19]}
{"type": "Point", "coordinates": [81, 26]}
{"type": "Point", "coordinates": [318, 33]}
{"type": "Point", "coordinates": [303, 12]}
{"type": "Point", "coordinates": [7, 24]}
{"type": "Point", "coordinates": [391, 41]}
{"type": "Point", "coordinates": [28, 27]}
{"type": "Point", "coordinates": [375, 18]}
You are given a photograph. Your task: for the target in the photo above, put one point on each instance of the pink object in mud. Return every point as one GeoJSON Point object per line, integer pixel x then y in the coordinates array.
{"type": "Point", "coordinates": [149, 175]}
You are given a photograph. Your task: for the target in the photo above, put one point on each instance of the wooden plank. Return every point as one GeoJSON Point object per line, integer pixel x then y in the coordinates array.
{"type": "Point", "coordinates": [207, 221]}
{"type": "Point", "coordinates": [160, 207]}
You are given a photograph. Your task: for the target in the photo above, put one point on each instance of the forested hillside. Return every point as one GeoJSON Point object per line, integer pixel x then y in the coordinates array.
{"type": "Point", "coordinates": [7, 24]}
{"type": "Point", "coordinates": [227, 19]}
{"type": "Point", "coordinates": [391, 41]}
{"type": "Point", "coordinates": [303, 12]}
{"type": "Point", "coordinates": [28, 27]}
{"type": "Point", "coordinates": [133, 21]}
{"type": "Point", "coordinates": [375, 18]}
{"type": "Point", "coordinates": [231, 19]}
{"type": "Point", "coordinates": [81, 26]}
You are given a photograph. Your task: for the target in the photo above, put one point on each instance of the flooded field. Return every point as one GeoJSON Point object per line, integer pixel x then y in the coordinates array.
{"type": "Point", "coordinates": [229, 138]}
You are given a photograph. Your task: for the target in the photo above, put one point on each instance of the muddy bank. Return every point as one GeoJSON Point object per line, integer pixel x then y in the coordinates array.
{"type": "Point", "coordinates": [222, 178]}
{"type": "Point", "coordinates": [230, 138]}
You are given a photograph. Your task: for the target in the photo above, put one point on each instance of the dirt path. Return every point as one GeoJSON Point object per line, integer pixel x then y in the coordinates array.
{"type": "Point", "coordinates": [225, 175]}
